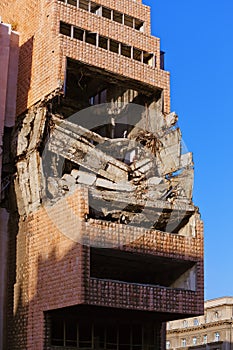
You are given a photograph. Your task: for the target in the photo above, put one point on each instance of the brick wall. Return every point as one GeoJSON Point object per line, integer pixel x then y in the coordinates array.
{"type": "Point", "coordinates": [43, 52]}
{"type": "Point", "coordinates": [39, 53]}
{"type": "Point", "coordinates": [54, 272]}
{"type": "Point", "coordinates": [49, 276]}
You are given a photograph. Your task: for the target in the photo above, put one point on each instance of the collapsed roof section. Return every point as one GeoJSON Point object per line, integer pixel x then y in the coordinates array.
{"type": "Point", "coordinates": [118, 143]}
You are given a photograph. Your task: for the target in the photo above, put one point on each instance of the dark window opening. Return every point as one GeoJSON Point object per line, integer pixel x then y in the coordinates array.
{"type": "Point", "coordinates": [162, 54]}
{"type": "Point", "coordinates": [106, 13]}
{"type": "Point", "coordinates": [99, 336]}
{"type": "Point", "coordinates": [108, 44]}
{"type": "Point", "coordinates": [114, 46]}
{"type": "Point", "coordinates": [65, 29]}
{"type": "Point", "coordinates": [148, 58]}
{"type": "Point", "coordinates": [139, 25]}
{"type": "Point", "coordinates": [85, 335]}
{"type": "Point", "coordinates": [137, 54]}
{"type": "Point", "coordinates": [84, 5]}
{"type": "Point", "coordinates": [103, 42]}
{"type": "Point", "coordinates": [72, 2]}
{"type": "Point", "coordinates": [83, 84]}
{"type": "Point", "coordinates": [57, 332]}
{"type": "Point", "coordinates": [116, 265]}
{"type": "Point", "coordinates": [126, 50]}
{"type": "Point", "coordinates": [91, 38]}
{"type": "Point", "coordinates": [117, 16]}
{"type": "Point", "coordinates": [129, 21]}
{"type": "Point", "coordinates": [95, 8]}
{"type": "Point", "coordinates": [78, 33]}
{"type": "Point", "coordinates": [100, 97]}
{"type": "Point", "coordinates": [101, 332]}
{"type": "Point", "coordinates": [137, 337]}
{"type": "Point", "coordinates": [111, 337]}
{"type": "Point", "coordinates": [71, 333]}
{"type": "Point", "coordinates": [124, 337]}
{"type": "Point", "coordinates": [149, 335]}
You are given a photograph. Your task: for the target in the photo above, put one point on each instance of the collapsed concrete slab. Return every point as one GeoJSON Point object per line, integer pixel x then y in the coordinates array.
{"type": "Point", "coordinates": [144, 172]}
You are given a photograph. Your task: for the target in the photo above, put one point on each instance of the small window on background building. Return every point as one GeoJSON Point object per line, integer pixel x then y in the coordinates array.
{"type": "Point", "coordinates": [183, 342]}
{"type": "Point", "coordinates": [194, 340]}
{"type": "Point", "coordinates": [195, 322]}
{"type": "Point", "coordinates": [168, 345]}
{"type": "Point", "coordinates": [205, 339]}
{"type": "Point", "coordinates": [216, 315]}
{"type": "Point", "coordinates": [216, 336]}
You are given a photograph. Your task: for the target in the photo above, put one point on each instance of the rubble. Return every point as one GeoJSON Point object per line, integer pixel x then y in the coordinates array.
{"type": "Point", "coordinates": [142, 177]}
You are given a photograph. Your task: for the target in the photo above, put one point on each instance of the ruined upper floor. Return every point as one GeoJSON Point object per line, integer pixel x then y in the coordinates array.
{"type": "Point", "coordinates": [108, 34]}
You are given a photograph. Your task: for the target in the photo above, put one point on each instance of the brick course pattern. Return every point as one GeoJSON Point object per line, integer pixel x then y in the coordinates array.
{"type": "Point", "coordinates": [51, 266]}
{"type": "Point", "coordinates": [54, 272]}
{"type": "Point", "coordinates": [43, 71]}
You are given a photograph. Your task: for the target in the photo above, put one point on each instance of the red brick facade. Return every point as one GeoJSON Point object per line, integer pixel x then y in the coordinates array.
{"type": "Point", "coordinates": [54, 261]}
{"type": "Point", "coordinates": [53, 272]}
{"type": "Point", "coordinates": [43, 50]}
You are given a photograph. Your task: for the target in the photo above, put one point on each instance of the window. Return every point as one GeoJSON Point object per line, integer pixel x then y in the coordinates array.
{"type": "Point", "coordinates": [162, 53]}
{"type": "Point", "coordinates": [114, 46]}
{"type": "Point", "coordinates": [95, 8]}
{"type": "Point", "coordinates": [100, 97]}
{"type": "Point", "coordinates": [185, 323]}
{"type": "Point", "coordinates": [194, 340]}
{"type": "Point", "coordinates": [107, 44]}
{"type": "Point", "coordinates": [72, 2]}
{"type": "Point", "coordinates": [168, 345]}
{"type": "Point", "coordinates": [195, 322]}
{"type": "Point", "coordinates": [183, 342]}
{"type": "Point", "coordinates": [129, 21]}
{"type": "Point", "coordinates": [126, 50]}
{"type": "Point", "coordinates": [103, 42]}
{"type": "Point", "coordinates": [216, 336]}
{"type": "Point", "coordinates": [65, 29]}
{"type": "Point", "coordinates": [107, 13]}
{"type": "Point", "coordinates": [71, 332]}
{"type": "Point", "coordinates": [84, 5]}
{"type": "Point", "coordinates": [91, 38]}
{"type": "Point", "coordinates": [117, 16]}
{"type": "Point", "coordinates": [139, 25]}
{"type": "Point", "coordinates": [91, 6]}
{"type": "Point", "coordinates": [78, 34]}
{"type": "Point", "coordinates": [57, 333]}
{"type": "Point", "coordinates": [205, 339]}
{"type": "Point", "coordinates": [137, 54]}
{"type": "Point", "coordinates": [216, 314]}
{"type": "Point", "coordinates": [148, 58]}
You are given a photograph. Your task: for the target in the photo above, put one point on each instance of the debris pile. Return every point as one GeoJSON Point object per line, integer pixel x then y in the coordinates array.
{"type": "Point", "coordinates": [143, 178]}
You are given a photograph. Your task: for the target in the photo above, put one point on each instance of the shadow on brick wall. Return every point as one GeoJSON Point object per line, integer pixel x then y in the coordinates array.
{"type": "Point", "coordinates": [50, 285]}
{"type": "Point", "coordinates": [24, 75]}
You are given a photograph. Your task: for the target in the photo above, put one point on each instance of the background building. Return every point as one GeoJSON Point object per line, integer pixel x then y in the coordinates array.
{"type": "Point", "coordinates": [211, 331]}
{"type": "Point", "coordinates": [104, 241]}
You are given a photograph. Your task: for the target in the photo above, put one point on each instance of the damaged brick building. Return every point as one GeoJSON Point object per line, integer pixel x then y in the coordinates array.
{"type": "Point", "coordinates": [104, 241]}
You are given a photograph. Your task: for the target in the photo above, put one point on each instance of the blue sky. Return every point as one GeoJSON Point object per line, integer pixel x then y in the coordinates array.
{"type": "Point", "coordinates": [197, 37]}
